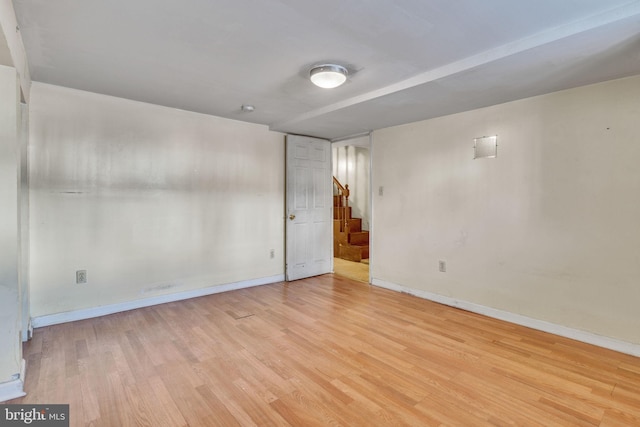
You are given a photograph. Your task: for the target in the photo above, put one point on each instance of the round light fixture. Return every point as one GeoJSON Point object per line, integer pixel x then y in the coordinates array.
{"type": "Point", "coordinates": [328, 76]}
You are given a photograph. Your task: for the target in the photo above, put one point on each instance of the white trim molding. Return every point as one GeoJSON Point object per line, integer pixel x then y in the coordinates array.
{"type": "Point", "coordinates": [88, 313]}
{"type": "Point", "coordinates": [540, 325]}
{"type": "Point", "coordinates": [14, 388]}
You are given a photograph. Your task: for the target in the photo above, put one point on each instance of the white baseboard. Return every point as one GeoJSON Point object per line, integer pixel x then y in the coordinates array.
{"type": "Point", "coordinates": [88, 313]}
{"type": "Point", "coordinates": [541, 325]}
{"type": "Point", "coordinates": [14, 388]}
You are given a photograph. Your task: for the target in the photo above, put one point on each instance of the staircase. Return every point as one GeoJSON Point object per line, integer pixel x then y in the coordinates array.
{"type": "Point", "coordinates": [349, 241]}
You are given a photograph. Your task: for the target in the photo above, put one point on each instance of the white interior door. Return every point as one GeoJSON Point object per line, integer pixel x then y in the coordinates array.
{"type": "Point", "coordinates": [309, 229]}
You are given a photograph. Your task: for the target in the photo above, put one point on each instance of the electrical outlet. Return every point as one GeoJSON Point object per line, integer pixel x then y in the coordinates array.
{"type": "Point", "coordinates": [442, 266]}
{"type": "Point", "coordinates": [81, 276]}
{"type": "Point", "coordinates": [272, 253]}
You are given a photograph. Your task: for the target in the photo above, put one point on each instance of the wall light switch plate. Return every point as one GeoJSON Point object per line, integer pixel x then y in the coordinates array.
{"type": "Point", "coordinates": [81, 276]}
{"type": "Point", "coordinates": [442, 266]}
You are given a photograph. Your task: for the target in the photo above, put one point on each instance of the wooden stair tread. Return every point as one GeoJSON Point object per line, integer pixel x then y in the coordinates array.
{"type": "Point", "coordinates": [359, 238]}
{"type": "Point", "coordinates": [350, 242]}
{"type": "Point", "coordinates": [354, 224]}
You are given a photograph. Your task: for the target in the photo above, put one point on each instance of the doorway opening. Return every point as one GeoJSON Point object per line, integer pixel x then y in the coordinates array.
{"type": "Point", "coordinates": [351, 207]}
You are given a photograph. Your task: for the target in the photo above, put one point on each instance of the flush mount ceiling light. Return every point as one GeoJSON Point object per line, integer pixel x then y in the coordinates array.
{"type": "Point", "coordinates": [328, 76]}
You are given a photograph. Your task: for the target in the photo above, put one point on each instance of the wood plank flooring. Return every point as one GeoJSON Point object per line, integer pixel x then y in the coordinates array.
{"type": "Point", "coordinates": [353, 270]}
{"type": "Point", "coordinates": [324, 351]}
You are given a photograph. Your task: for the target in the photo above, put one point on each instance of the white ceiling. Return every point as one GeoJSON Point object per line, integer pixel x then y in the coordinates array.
{"type": "Point", "coordinates": [409, 59]}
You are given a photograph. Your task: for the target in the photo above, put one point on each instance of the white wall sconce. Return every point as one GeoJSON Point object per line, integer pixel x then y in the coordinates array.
{"type": "Point", "coordinates": [485, 147]}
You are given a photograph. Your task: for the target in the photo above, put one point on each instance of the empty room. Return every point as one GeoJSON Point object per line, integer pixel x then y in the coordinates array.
{"type": "Point", "coordinates": [297, 213]}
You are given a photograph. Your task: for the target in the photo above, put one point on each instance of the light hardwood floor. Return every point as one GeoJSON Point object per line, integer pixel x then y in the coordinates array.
{"type": "Point", "coordinates": [353, 270]}
{"type": "Point", "coordinates": [324, 351]}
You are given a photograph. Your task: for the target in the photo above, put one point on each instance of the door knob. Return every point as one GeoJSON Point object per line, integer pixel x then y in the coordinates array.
{"type": "Point", "coordinates": [292, 217]}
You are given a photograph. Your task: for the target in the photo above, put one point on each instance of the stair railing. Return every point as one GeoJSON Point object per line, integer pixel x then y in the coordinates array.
{"type": "Point", "coordinates": [343, 193]}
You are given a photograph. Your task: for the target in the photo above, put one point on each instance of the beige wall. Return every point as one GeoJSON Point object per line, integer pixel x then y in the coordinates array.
{"type": "Point", "coordinates": [10, 326]}
{"type": "Point", "coordinates": [149, 200]}
{"type": "Point", "coordinates": [549, 229]}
